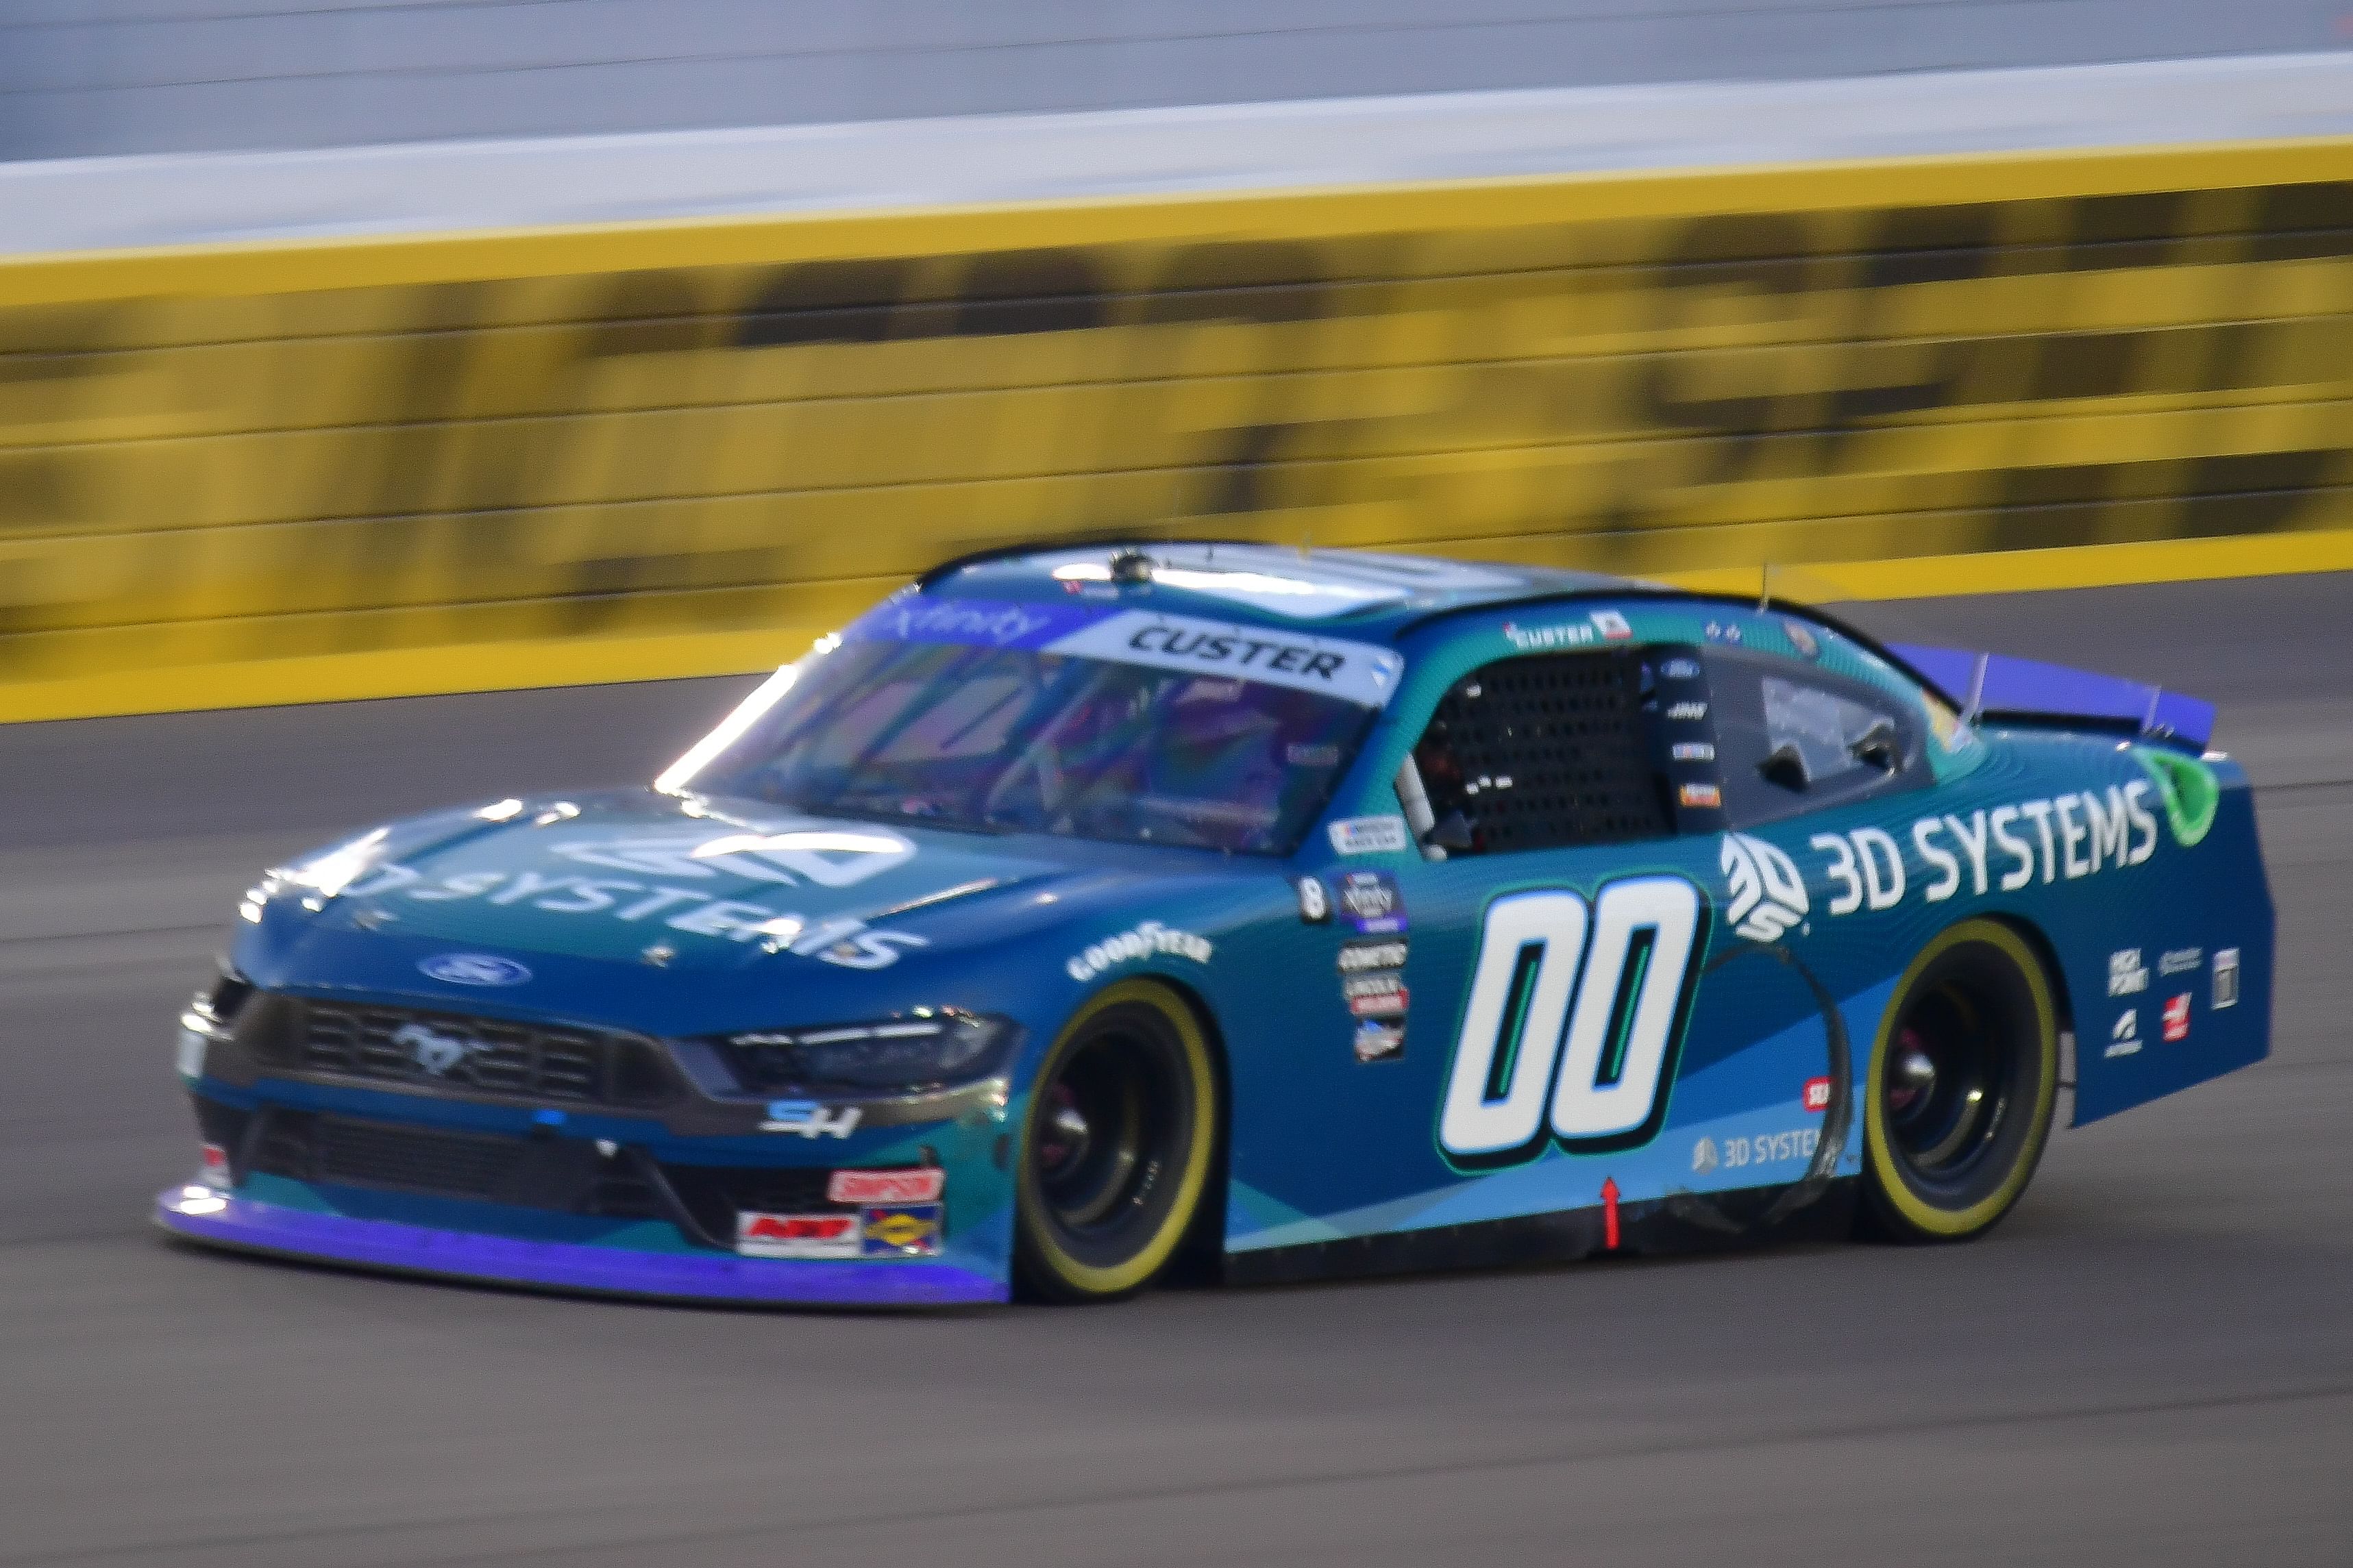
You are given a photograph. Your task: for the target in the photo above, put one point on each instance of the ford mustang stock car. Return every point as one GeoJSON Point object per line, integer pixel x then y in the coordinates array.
{"type": "Point", "coordinates": [1078, 910]}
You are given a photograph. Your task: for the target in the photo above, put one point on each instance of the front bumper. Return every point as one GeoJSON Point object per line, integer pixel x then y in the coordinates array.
{"type": "Point", "coordinates": [231, 1220]}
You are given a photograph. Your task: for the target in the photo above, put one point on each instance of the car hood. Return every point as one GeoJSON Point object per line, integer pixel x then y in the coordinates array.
{"type": "Point", "coordinates": [666, 907]}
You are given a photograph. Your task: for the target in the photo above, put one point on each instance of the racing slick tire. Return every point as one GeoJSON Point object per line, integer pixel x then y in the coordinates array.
{"type": "Point", "coordinates": [1962, 1084]}
{"type": "Point", "coordinates": [1116, 1150]}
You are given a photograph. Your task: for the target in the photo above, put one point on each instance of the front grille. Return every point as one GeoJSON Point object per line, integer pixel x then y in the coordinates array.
{"type": "Point", "coordinates": [534, 1061]}
{"type": "Point", "coordinates": [715, 1195]}
{"type": "Point", "coordinates": [565, 1175]}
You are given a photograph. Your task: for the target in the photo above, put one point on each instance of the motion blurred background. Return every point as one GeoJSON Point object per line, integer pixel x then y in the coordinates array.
{"type": "Point", "coordinates": [473, 373]}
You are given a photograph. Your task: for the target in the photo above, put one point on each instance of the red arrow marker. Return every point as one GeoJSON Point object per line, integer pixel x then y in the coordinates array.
{"type": "Point", "coordinates": [1609, 1212]}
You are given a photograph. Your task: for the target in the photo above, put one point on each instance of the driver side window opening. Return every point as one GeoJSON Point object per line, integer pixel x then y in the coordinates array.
{"type": "Point", "coordinates": [1796, 740]}
{"type": "Point", "coordinates": [1547, 750]}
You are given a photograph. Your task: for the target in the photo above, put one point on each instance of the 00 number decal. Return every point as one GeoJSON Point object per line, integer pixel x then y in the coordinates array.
{"type": "Point", "coordinates": [1607, 1014]}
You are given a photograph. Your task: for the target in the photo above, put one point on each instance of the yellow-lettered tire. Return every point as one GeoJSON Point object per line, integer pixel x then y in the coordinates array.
{"type": "Point", "coordinates": [1963, 1079]}
{"type": "Point", "coordinates": [1117, 1146]}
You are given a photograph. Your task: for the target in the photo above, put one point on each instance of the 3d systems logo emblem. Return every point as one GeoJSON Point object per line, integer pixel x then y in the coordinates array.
{"type": "Point", "coordinates": [1769, 896]}
{"type": "Point", "coordinates": [474, 968]}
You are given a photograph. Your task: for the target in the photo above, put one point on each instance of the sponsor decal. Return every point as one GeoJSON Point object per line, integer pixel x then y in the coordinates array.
{"type": "Point", "coordinates": [1691, 751]}
{"type": "Point", "coordinates": [1314, 903]}
{"type": "Point", "coordinates": [213, 1167]}
{"type": "Point", "coordinates": [797, 1235]}
{"type": "Point", "coordinates": [474, 969]}
{"type": "Point", "coordinates": [1723, 631]}
{"type": "Point", "coordinates": [1611, 625]}
{"type": "Point", "coordinates": [435, 1050]}
{"type": "Point", "coordinates": [1680, 669]}
{"type": "Point", "coordinates": [1377, 1041]}
{"type": "Point", "coordinates": [982, 622]}
{"type": "Point", "coordinates": [1147, 941]}
{"type": "Point", "coordinates": [1688, 712]}
{"type": "Point", "coordinates": [1322, 754]}
{"type": "Point", "coordinates": [2226, 977]}
{"type": "Point", "coordinates": [1357, 672]}
{"type": "Point", "coordinates": [1801, 638]}
{"type": "Point", "coordinates": [1816, 1097]}
{"type": "Point", "coordinates": [2186, 787]}
{"type": "Point", "coordinates": [1379, 995]}
{"type": "Point", "coordinates": [900, 1230]}
{"type": "Point", "coordinates": [1359, 956]}
{"type": "Point", "coordinates": [2124, 1034]}
{"type": "Point", "coordinates": [1769, 896]}
{"type": "Point", "coordinates": [1541, 639]}
{"type": "Point", "coordinates": [1706, 796]}
{"type": "Point", "coordinates": [2069, 835]}
{"type": "Point", "coordinates": [2179, 960]}
{"type": "Point", "coordinates": [810, 1120]}
{"type": "Point", "coordinates": [914, 1184]}
{"type": "Point", "coordinates": [1369, 835]}
{"type": "Point", "coordinates": [2176, 1018]}
{"type": "Point", "coordinates": [848, 944]}
{"type": "Point", "coordinates": [1771, 1148]}
{"type": "Point", "coordinates": [2127, 975]}
{"type": "Point", "coordinates": [1704, 1157]}
{"type": "Point", "coordinates": [1372, 902]}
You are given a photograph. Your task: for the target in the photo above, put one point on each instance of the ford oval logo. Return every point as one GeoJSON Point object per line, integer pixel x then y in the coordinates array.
{"type": "Point", "coordinates": [475, 969]}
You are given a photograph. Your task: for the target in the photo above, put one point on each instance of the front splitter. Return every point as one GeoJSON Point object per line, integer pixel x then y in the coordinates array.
{"type": "Point", "coordinates": [224, 1219]}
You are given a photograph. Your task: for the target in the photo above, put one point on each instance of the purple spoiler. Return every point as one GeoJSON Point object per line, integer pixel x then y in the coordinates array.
{"type": "Point", "coordinates": [1996, 684]}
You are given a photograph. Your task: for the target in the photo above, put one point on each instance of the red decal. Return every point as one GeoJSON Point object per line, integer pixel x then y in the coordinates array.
{"type": "Point", "coordinates": [915, 1185]}
{"type": "Point", "coordinates": [2177, 1017]}
{"type": "Point", "coordinates": [1609, 1212]}
{"type": "Point", "coordinates": [799, 1226]}
{"type": "Point", "coordinates": [1818, 1094]}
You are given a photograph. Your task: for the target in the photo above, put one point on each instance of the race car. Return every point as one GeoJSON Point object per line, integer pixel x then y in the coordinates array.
{"type": "Point", "coordinates": [1081, 912]}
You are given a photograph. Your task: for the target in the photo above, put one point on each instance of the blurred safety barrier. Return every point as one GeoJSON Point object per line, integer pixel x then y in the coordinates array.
{"type": "Point", "coordinates": [365, 467]}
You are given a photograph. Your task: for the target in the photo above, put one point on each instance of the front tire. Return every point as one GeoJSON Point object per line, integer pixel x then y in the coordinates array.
{"type": "Point", "coordinates": [1116, 1150]}
{"type": "Point", "coordinates": [1962, 1085]}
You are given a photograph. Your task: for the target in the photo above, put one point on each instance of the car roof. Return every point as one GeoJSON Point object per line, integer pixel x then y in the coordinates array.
{"type": "Point", "coordinates": [1356, 593]}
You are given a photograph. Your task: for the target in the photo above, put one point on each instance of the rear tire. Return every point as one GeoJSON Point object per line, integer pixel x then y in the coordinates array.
{"type": "Point", "coordinates": [1963, 1081]}
{"type": "Point", "coordinates": [1115, 1151]}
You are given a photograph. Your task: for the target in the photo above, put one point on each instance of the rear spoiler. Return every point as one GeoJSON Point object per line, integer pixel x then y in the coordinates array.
{"type": "Point", "coordinates": [2026, 691]}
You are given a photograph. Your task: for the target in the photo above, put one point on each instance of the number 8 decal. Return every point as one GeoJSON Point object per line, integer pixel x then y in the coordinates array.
{"type": "Point", "coordinates": [1609, 1013]}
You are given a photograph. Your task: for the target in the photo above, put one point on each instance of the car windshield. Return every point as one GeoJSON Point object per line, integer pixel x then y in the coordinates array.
{"type": "Point", "coordinates": [1014, 740]}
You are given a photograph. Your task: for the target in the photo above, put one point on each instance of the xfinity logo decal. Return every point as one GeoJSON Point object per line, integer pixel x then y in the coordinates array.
{"type": "Point", "coordinates": [474, 968]}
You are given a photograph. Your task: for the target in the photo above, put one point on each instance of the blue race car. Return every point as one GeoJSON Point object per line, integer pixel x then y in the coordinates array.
{"type": "Point", "coordinates": [1079, 911]}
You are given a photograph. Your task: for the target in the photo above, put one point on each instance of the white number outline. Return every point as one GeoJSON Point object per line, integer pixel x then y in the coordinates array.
{"type": "Point", "coordinates": [1556, 1089]}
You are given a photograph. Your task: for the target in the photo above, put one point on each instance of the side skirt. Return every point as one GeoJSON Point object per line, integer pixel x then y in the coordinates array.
{"type": "Point", "coordinates": [1681, 1223]}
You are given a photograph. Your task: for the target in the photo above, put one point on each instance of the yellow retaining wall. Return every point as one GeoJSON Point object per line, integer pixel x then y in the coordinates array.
{"type": "Point", "coordinates": [246, 474]}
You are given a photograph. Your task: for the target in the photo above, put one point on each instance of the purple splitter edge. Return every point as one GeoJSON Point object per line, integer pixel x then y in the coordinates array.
{"type": "Point", "coordinates": [568, 1265]}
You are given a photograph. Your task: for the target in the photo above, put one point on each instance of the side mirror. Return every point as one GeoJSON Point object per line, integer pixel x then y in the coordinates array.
{"type": "Point", "coordinates": [1786, 766]}
{"type": "Point", "coordinates": [1879, 746]}
{"type": "Point", "coordinates": [1453, 834]}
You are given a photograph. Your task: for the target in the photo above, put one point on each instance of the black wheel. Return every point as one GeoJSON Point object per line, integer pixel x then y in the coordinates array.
{"type": "Point", "coordinates": [1962, 1084]}
{"type": "Point", "coordinates": [1116, 1151]}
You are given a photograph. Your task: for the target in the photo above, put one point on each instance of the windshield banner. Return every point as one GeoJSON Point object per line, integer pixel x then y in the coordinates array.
{"type": "Point", "coordinates": [1353, 671]}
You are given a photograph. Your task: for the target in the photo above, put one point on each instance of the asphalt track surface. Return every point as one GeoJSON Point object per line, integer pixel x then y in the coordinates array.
{"type": "Point", "coordinates": [2148, 1364]}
